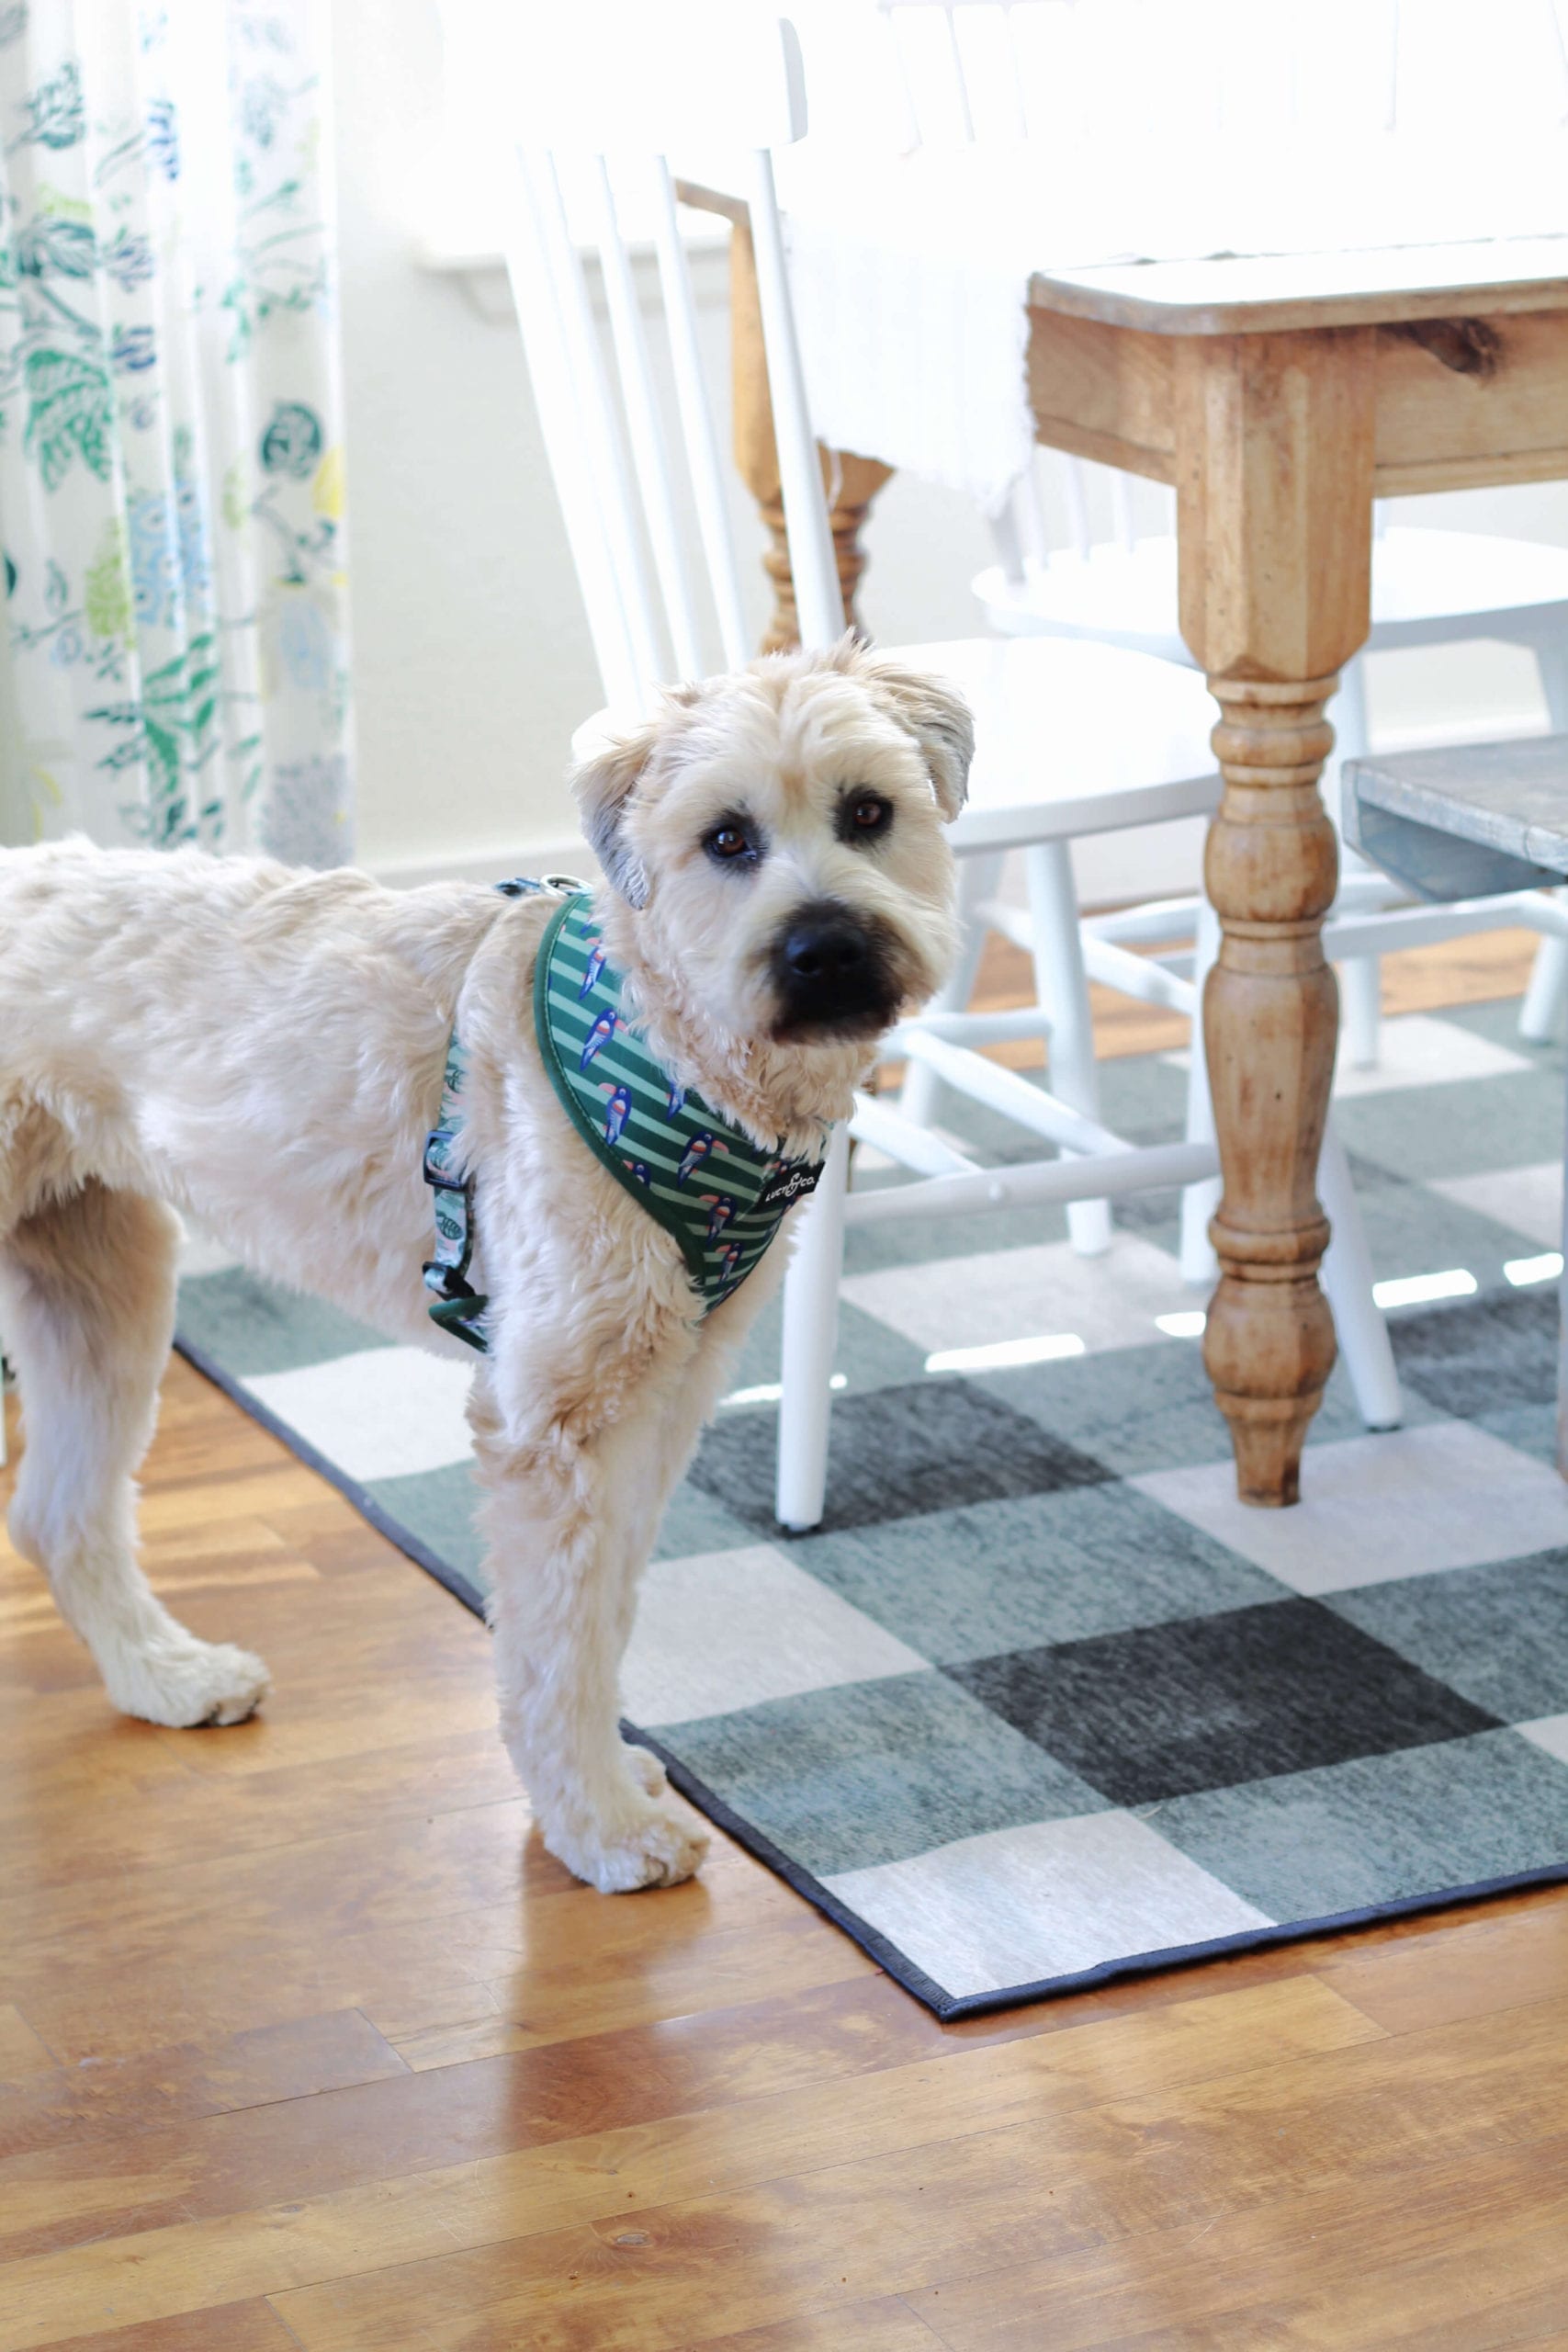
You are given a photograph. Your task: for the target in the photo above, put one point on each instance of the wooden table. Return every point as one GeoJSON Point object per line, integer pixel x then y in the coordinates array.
{"type": "Point", "coordinates": [1280, 397]}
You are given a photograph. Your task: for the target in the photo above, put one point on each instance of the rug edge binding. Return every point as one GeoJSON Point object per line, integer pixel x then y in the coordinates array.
{"type": "Point", "coordinates": [411, 1546]}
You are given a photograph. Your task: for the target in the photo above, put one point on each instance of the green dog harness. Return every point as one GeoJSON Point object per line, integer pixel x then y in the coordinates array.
{"type": "Point", "coordinates": [700, 1177]}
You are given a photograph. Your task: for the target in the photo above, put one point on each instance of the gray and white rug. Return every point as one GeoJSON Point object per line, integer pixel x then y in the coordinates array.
{"type": "Point", "coordinates": [1041, 1702]}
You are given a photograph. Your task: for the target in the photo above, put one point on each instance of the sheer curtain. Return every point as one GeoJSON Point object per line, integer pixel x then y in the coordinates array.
{"type": "Point", "coordinates": [171, 475]}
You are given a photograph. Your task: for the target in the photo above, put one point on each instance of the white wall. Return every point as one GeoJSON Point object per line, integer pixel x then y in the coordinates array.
{"type": "Point", "coordinates": [471, 655]}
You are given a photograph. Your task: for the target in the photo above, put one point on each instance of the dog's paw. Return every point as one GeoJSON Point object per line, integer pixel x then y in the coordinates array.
{"type": "Point", "coordinates": [655, 1847]}
{"type": "Point", "coordinates": [187, 1682]}
{"type": "Point", "coordinates": [648, 1769]}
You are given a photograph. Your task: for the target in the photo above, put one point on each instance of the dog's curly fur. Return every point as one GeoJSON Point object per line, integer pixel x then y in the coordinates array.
{"type": "Point", "coordinates": [263, 1049]}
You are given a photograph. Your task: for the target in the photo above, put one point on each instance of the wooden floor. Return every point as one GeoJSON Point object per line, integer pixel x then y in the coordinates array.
{"type": "Point", "coordinates": [309, 2043]}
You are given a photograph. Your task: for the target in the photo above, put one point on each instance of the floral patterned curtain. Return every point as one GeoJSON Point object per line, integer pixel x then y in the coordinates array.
{"type": "Point", "coordinates": [171, 476]}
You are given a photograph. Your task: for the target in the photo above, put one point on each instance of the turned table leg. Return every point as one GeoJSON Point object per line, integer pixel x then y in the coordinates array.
{"type": "Point", "coordinates": [852, 482]}
{"type": "Point", "coordinates": [1274, 464]}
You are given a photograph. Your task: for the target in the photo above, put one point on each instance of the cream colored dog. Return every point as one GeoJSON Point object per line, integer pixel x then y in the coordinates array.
{"type": "Point", "coordinates": [264, 1049]}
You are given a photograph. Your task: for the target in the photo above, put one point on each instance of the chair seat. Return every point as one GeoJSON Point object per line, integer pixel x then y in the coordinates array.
{"type": "Point", "coordinates": [1069, 737]}
{"type": "Point", "coordinates": [1428, 587]}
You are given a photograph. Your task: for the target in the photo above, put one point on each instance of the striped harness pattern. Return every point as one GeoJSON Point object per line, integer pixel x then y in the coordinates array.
{"type": "Point", "coordinates": [699, 1176]}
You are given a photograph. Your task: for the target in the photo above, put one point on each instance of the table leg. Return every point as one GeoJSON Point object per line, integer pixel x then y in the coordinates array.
{"type": "Point", "coordinates": [852, 482]}
{"type": "Point", "coordinates": [1274, 473]}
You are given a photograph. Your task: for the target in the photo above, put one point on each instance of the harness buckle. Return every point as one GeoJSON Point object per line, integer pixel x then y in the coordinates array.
{"type": "Point", "coordinates": [529, 886]}
{"type": "Point", "coordinates": [449, 1283]}
{"type": "Point", "coordinates": [464, 1319]}
{"type": "Point", "coordinates": [440, 1140]}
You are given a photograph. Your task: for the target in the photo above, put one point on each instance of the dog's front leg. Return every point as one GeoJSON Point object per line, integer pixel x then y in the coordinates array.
{"type": "Point", "coordinates": [571, 1517]}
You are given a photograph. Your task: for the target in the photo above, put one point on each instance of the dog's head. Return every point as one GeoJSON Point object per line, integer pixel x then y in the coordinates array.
{"type": "Point", "coordinates": [776, 839]}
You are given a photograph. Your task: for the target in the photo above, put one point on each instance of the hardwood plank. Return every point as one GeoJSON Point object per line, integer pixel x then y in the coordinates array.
{"type": "Point", "coordinates": [1478, 970]}
{"type": "Point", "coordinates": [867, 2228]}
{"type": "Point", "coordinates": [610, 2081]}
{"type": "Point", "coordinates": [886, 2325]}
{"type": "Point", "coordinates": [314, 1520]}
{"type": "Point", "coordinates": [578, 1998]}
{"type": "Point", "coordinates": [421, 1922]}
{"type": "Point", "coordinates": [1459, 2257]}
{"type": "Point", "coordinates": [450, 1863]}
{"type": "Point", "coordinates": [178, 1506]}
{"type": "Point", "coordinates": [370, 2127]}
{"type": "Point", "coordinates": [415, 1976]}
{"type": "Point", "coordinates": [558, 2191]}
{"type": "Point", "coordinates": [1487, 966]}
{"type": "Point", "coordinates": [1503, 1960]}
{"type": "Point", "coordinates": [47, 1834]}
{"type": "Point", "coordinates": [237, 2327]}
{"type": "Point", "coordinates": [21, 2050]}
{"type": "Point", "coordinates": [259, 2066]}
{"type": "Point", "coordinates": [882, 2225]}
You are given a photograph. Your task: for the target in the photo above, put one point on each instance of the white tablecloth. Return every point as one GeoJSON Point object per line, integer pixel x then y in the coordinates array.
{"type": "Point", "coordinates": [911, 275]}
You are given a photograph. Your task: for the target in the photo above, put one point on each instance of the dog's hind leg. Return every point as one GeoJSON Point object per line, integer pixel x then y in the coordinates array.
{"type": "Point", "coordinates": [87, 1287]}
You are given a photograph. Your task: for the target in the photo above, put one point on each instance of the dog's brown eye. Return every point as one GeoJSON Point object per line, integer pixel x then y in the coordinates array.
{"type": "Point", "coordinates": [728, 844]}
{"type": "Point", "coordinates": [866, 816]}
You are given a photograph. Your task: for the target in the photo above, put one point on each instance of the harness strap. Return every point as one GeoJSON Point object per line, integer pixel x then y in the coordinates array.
{"type": "Point", "coordinates": [660, 1141]}
{"type": "Point", "coordinates": [457, 1306]}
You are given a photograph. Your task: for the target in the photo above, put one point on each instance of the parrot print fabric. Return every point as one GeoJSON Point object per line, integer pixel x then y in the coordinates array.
{"type": "Point", "coordinates": [706, 1182]}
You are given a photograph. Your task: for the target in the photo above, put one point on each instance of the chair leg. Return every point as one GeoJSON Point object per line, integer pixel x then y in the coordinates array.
{"type": "Point", "coordinates": [1361, 979]}
{"type": "Point", "coordinates": [1346, 1277]}
{"type": "Point", "coordinates": [1540, 1015]}
{"type": "Point", "coordinates": [1062, 986]}
{"type": "Point", "coordinates": [1361, 1010]}
{"type": "Point", "coordinates": [1552, 662]}
{"type": "Point", "coordinates": [1199, 1264]}
{"type": "Point", "coordinates": [979, 879]}
{"type": "Point", "coordinates": [810, 1330]}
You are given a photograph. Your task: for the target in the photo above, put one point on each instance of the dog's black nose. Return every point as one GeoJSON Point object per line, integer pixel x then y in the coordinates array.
{"type": "Point", "coordinates": [825, 948]}
{"type": "Point", "coordinates": [832, 971]}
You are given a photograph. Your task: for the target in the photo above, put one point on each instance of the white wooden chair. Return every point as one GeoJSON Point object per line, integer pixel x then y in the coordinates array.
{"type": "Point", "coordinates": [1071, 739]}
{"type": "Point", "coordinates": [962, 76]}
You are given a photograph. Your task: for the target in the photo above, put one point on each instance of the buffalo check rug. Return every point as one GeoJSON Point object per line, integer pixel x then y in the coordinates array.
{"type": "Point", "coordinates": [1041, 1702]}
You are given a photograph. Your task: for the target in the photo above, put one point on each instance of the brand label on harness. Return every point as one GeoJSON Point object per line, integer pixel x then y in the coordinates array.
{"type": "Point", "coordinates": [794, 1180]}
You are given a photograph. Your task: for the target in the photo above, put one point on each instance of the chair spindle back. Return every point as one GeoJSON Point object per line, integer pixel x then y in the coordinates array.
{"type": "Point", "coordinates": [611, 89]}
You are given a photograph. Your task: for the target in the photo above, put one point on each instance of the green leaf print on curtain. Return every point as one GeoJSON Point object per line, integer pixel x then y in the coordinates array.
{"type": "Point", "coordinates": [175, 663]}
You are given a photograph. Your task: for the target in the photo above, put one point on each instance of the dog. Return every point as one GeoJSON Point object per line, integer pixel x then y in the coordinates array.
{"type": "Point", "coordinates": [264, 1049]}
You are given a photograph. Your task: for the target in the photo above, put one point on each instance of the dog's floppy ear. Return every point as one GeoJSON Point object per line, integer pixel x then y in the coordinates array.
{"type": "Point", "coordinates": [605, 786]}
{"type": "Point", "coordinates": [938, 718]}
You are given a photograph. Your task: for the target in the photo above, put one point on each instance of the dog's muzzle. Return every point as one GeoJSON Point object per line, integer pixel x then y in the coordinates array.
{"type": "Point", "coordinates": [833, 974]}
